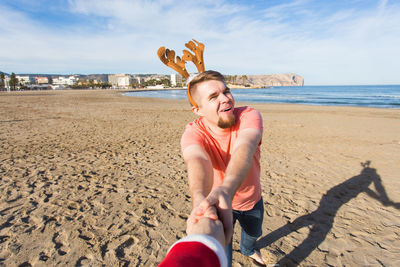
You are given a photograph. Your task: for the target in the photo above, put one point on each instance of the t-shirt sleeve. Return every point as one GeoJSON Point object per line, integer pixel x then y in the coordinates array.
{"type": "Point", "coordinates": [251, 118]}
{"type": "Point", "coordinates": [191, 137]}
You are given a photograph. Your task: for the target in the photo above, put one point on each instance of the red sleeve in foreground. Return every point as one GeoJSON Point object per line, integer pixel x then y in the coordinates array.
{"type": "Point", "coordinates": [194, 254]}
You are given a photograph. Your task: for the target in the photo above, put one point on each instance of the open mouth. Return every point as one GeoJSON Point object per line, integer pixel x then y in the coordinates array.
{"type": "Point", "coordinates": [226, 110]}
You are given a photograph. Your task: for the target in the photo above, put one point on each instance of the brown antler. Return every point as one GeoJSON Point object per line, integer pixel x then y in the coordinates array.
{"type": "Point", "coordinates": [168, 58]}
{"type": "Point", "coordinates": [197, 58]}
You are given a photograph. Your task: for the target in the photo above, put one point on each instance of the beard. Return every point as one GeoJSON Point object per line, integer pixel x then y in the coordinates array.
{"type": "Point", "coordinates": [228, 123]}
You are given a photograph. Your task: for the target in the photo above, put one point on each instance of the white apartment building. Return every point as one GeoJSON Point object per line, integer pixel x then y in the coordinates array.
{"type": "Point", "coordinates": [119, 80]}
{"type": "Point", "coordinates": [71, 80]}
{"type": "Point", "coordinates": [176, 79]}
{"type": "Point", "coordinates": [24, 79]}
{"type": "Point", "coordinates": [139, 80]}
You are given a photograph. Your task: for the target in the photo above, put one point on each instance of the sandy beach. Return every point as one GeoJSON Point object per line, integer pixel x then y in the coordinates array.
{"type": "Point", "coordinates": [91, 178]}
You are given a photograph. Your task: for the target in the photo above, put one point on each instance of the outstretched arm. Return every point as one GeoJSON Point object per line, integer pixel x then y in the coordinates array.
{"type": "Point", "coordinates": [236, 171]}
{"type": "Point", "coordinates": [200, 173]}
{"type": "Point", "coordinates": [241, 159]}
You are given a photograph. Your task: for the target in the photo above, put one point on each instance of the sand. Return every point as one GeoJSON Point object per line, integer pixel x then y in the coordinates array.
{"type": "Point", "coordinates": [94, 177]}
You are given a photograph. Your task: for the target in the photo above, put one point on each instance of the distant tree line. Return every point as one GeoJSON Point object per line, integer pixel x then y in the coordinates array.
{"type": "Point", "coordinates": [13, 82]}
{"type": "Point", "coordinates": [2, 81]}
{"type": "Point", "coordinates": [166, 82]}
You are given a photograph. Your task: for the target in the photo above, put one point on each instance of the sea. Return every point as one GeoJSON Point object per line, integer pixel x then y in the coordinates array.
{"type": "Point", "coordinates": [377, 96]}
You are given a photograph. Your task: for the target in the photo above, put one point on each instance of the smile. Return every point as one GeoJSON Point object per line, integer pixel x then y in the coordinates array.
{"type": "Point", "coordinates": [226, 110]}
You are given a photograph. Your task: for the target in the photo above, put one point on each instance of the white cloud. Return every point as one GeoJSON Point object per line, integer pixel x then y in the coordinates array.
{"type": "Point", "coordinates": [326, 45]}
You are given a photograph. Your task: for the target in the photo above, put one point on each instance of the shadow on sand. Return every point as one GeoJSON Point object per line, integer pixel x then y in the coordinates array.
{"type": "Point", "coordinates": [321, 220]}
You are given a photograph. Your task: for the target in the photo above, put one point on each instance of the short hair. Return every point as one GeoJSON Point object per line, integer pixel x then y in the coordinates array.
{"type": "Point", "coordinates": [208, 75]}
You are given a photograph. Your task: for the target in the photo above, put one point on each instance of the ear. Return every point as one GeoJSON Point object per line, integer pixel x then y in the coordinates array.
{"type": "Point", "coordinates": [196, 110]}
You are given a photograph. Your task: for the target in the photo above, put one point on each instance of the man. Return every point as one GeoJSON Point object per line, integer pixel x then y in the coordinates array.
{"type": "Point", "coordinates": [222, 152]}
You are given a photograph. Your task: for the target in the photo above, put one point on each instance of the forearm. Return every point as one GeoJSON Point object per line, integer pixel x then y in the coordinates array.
{"type": "Point", "coordinates": [200, 179]}
{"type": "Point", "coordinates": [238, 168]}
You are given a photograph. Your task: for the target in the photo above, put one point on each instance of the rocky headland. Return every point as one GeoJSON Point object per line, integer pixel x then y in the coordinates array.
{"type": "Point", "coordinates": [287, 79]}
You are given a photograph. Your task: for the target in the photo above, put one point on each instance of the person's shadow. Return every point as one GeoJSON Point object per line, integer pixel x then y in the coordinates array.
{"type": "Point", "coordinates": [321, 220]}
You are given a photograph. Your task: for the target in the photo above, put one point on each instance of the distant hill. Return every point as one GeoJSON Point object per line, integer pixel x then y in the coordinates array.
{"type": "Point", "coordinates": [4, 73]}
{"type": "Point", "coordinates": [288, 79]}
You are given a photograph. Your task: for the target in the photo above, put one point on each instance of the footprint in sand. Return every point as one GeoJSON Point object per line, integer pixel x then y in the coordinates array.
{"type": "Point", "coordinates": [43, 256]}
{"type": "Point", "coordinates": [119, 248]}
{"type": "Point", "coordinates": [25, 264]}
{"type": "Point", "coordinates": [148, 211]}
{"type": "Point", "coordinates": [58, 244]}
{"type": "Point", "coordinates": [148, 222]}
{"type": "Point", "coordinates": [183, 216]}
{"type": "Point", "coordinates": [86, 236]}
{"type": "Point", "coordinates": [48, 196]}
{"type": "Point", "coordinates": [167, 206]}
{"type": "Point", "coordinates": [7, 223]}
{"type": "Point", "coordinates": [3, 238]}
{"type": "Point", "coordinates": [138, 201]}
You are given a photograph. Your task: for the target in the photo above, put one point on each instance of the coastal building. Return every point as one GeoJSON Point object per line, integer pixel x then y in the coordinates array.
{"type": "Point", "coordinates": [41, 80]}
{"type": "Point", "coordinates": [138, 80]}
{"type": "Point", "coordinates": [176, 80]}
{"type": "Point", "coordinates": [62, 80]}
{"type": "Point", "coordinates": [157, 77]}
{"type": "Point", "coordinates": [25, 79]}
{"type": "Point", "coordinates": [119, 80]}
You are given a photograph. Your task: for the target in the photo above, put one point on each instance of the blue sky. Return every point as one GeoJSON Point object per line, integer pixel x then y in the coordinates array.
{"type": "Point", "coordinates": [327, 42]}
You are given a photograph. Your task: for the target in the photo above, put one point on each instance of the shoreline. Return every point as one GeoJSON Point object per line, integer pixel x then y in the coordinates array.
{"type": "Point", "coordinates": [122, 92]}
{"type": "Point", "coordinates": [382, 106]}
{"type": "Point", "coordinates": [95, 177]}
{"type": "Point", "coordinates": [365, 102]}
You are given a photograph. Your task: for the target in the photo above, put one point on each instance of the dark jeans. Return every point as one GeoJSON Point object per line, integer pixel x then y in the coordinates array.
{"type": "Point", "coordinates": [251, 223]}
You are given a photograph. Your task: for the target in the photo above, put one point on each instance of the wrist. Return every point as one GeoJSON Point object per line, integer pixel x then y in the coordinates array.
{"type": "Point", "coordinates": [228, 189]}
{"type": "Point", "coordinates": [198, 197]}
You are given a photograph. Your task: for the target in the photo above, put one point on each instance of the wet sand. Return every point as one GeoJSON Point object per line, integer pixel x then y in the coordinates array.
{"type": "Point", "coordinates": [94, 177]}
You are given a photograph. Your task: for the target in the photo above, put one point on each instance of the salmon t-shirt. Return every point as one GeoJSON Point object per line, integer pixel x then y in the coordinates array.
{"type": "Point", "coordinates": [220, 147]}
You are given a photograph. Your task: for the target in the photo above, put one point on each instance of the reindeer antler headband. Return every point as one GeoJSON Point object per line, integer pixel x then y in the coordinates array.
{"type": "Point", "coordinates": [168, 58]}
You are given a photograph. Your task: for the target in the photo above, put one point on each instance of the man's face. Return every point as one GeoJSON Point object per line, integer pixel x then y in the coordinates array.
{"type": "Point", "coordinates": [215, 103]}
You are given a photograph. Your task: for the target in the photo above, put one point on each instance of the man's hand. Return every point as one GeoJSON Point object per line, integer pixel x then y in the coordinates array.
{"type": "Point", "coordinates": [195, 216]}
{"type": "Point", "coordinates": [206, 226]}
{"type": "Point", "coordinates": [219, 197]}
